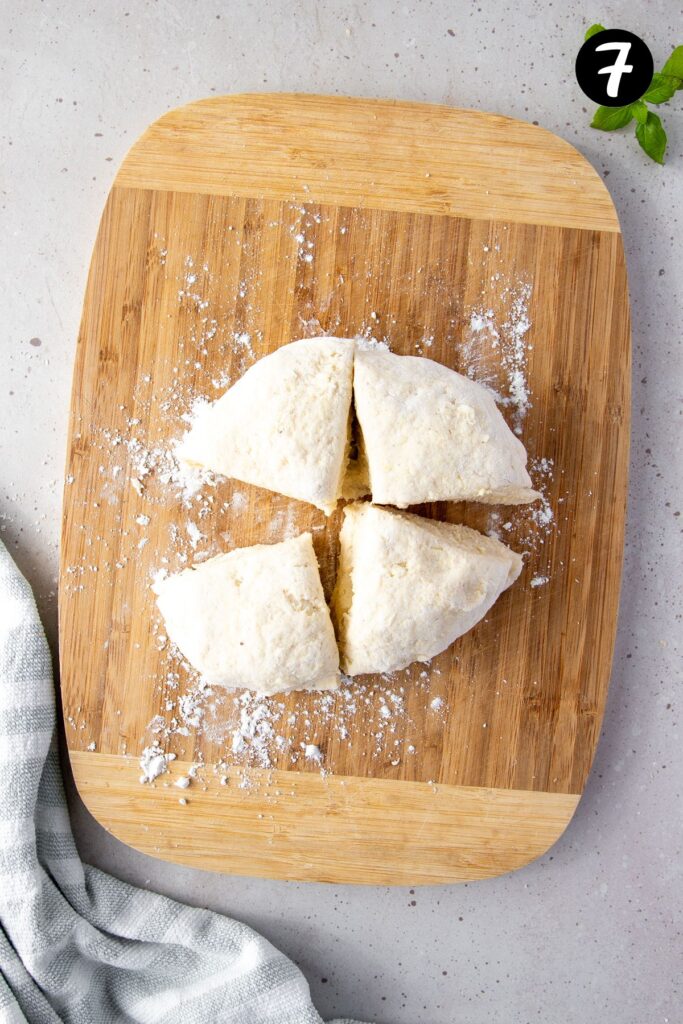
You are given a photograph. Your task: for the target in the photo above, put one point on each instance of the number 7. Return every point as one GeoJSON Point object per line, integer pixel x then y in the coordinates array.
{"type": "Point", "coordinates": [616, 70]}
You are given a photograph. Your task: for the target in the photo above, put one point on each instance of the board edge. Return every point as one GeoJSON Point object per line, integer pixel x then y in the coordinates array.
{"type": "Point", "coordinates": [127, 176]}
{"type": "Point", "coordinates": [468, 807]}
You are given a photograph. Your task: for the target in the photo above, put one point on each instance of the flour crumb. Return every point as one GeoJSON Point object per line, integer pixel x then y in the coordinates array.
{"type": "Point", "coordinates": [158, 577]}
{"type": "Point", "coordinates": [154, 762]}
{"type": "Point", "coordinates": [543, 514]}
{"type": "Point", "coordinates": [191, 704]}
{"type": "Point", "coordinates": [255, 732]}
{"type": "Point", "coordinates": [195, 534]}
{"type": "Point", "coordinates": [369, 344]}
{"type": "Point", "coordinates": [313, 753]}
{"type": "Point", "coordinates": [242, 341]}
{"type": "Point", "coordinates": [493, 529]}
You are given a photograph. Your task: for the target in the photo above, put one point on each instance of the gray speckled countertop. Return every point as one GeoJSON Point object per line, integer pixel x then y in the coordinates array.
{"type": "Point", "coordinates": [590, 933]}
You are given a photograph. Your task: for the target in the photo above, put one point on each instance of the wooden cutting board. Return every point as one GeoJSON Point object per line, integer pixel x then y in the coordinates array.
{"type": "Point", "coordinates": [235, 225]}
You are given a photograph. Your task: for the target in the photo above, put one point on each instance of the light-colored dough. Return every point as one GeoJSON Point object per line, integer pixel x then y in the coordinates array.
{"type": "Point", "coordinates": [407, 587]}
{"type": "Point", "coordinates": [255, 617]}
{"type": "Point", "coordinates": [284, 424]}
{"type": "Point", "coordinates": [431, 434]}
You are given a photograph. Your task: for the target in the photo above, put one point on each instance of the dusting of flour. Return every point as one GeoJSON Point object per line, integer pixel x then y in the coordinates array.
{"type": "Point", "coordinates": [507, 338]}
{"type": "Point", "coordinates": [250, 730]}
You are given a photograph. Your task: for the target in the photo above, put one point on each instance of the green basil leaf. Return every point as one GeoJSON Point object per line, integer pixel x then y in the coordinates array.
{"type": "Point", "coordinates": [674, 65]}
{"type": "Point", "coordinates": [652, 137]}
{"type": "Point", "coordinates": [609, 119]}
{"type": "Point", "coordinates": [661, 88]}
{"type": "Point", "coordinates": [640, 111]}
{"type": "Point", "coordinates": [593, 30]}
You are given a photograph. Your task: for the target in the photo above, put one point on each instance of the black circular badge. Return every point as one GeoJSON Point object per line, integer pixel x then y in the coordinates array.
{"type": "Point", "coordinates": [614, 67]}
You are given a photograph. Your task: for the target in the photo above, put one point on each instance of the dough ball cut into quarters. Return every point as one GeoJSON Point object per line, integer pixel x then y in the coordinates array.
{"type": "Point", "coordinates": [284, 425]}
{"type": "Point", "coordinates": [430, 434]}
{"type": "Point", "coordinates": [255, 617]}
{"type": "Point", "coordinates": [407, 587]}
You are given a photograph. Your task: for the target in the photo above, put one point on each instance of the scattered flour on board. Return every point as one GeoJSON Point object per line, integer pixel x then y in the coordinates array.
{"type": "Point", "coordinates": [369, 343]}
{"type": "Point", "coordinates": [484, 334]}
{"type": "Point", "coordinates": [528, 527]}
{"type": "Point", "coordinates": [194, 533]}
{"type": "Point", "coordinates": [255, 732]}
{"type": "Point", "coordinates": [242, 339]}
{"type": "Point", "coordinates": [258, 731]}
{"type": "Point", "coordinates": [154, 762]}
{"type": "Point", "coordinates": [541, 512]}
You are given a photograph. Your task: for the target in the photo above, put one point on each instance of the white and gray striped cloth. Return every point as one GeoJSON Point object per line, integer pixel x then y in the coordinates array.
{"type": "Point", "coordinates": [75, 944]}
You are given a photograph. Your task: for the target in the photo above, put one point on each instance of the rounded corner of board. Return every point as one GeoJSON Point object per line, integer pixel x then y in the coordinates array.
{"type": "Point", "coordinates": [531, 856]}
{"type": "Point", "coordinates": [582, 160]}
{"type": "Point", "coordinates": [573, 155]}
{"type": "Point", "coordinates": [227, 99]}
{"type": "Point", "coordinates": [176, 117]}
{"type": "Point", "coordinates": [82, 764]}
{"type": "Point", "coordinates": [447, 158]}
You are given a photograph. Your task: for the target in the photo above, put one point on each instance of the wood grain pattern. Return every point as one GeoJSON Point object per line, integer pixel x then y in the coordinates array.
{"type": "Point", "coordinates": [323, 828]}
{"type": "Point", "coordinates": [374, 154]}
{"type": "Point", "coordinates": [525, 691]}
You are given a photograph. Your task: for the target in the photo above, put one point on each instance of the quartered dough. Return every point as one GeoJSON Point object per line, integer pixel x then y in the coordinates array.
{"type": "Point", "coordinates": [255, 617]}
{"type": "Point", "coordinates": [407, 587]}
{"type": "Point", "coordinates": [431, 434]}
{"type": "Point", "coordinates": [284, 425]}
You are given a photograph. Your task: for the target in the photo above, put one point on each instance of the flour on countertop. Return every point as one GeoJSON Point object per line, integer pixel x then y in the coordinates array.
{"type": "Point", "coordinates": [191, 704]}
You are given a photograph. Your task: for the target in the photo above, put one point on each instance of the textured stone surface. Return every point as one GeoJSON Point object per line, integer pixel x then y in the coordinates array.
{"type": "Point", "coordinates": [591, 932]}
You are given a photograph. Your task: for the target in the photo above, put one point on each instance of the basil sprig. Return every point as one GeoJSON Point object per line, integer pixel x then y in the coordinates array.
{"type": "Point", "coordinates": [649, 128]}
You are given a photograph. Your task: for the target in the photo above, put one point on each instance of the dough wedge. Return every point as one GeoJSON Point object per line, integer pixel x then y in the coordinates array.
{"type": "Point", "coordinates": [284, 425]}
{"type": "Point", "coordinates": [255, 617]}
{"type": "Point", "coordinates": [430, 434]}
{"type": "Point", "coordinates": [407, 587]}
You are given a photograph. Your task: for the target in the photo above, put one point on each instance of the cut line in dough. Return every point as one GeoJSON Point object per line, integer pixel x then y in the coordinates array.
{"type": "Point", "coordinates": [284, 424]}
{"type": "Point", "coordinates": [407, 587]}
{"type": "Point", "coordinates": [431, 434]}
{"type": "Point", "coordinates": [416, 431]}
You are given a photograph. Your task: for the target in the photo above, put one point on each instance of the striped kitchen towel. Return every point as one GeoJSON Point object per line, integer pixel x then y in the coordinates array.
{"type": "Point", "coordinates": [75, 944]}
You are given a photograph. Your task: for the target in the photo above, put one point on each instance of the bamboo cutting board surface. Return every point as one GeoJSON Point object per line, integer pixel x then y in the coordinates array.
{"type": "Point", "coordinates": [236, 225]}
